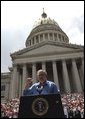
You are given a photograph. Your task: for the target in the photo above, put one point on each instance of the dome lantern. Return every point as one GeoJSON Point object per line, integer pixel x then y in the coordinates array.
{"type": "Point", "coordinates": [44, 15]}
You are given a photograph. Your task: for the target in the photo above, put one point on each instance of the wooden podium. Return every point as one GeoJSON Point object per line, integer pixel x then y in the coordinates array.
{"type": "Point", "coordinates": [41, 106]}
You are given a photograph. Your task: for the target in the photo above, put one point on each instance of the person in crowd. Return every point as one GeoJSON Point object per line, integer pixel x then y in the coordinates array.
{"type": "Point", "coordinates": [43, 86]}
{"type": "Point", "coordinates": [77, 113]}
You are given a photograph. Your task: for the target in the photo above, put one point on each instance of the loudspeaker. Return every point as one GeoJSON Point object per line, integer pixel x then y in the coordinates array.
{"type": "Point", "coordinates": [41, 106]}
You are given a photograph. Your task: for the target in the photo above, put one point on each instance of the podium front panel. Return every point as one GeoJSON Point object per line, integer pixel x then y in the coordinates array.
{"type": "Point", "coordinates": [41, 106]}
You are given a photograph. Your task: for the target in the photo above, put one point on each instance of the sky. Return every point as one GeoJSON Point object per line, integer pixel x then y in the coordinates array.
{"type": "Point", "coordinates": [18, 18]}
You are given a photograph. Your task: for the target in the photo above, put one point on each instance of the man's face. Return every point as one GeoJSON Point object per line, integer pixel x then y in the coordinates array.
{"type": "Point", "coordinates": [41, 77]}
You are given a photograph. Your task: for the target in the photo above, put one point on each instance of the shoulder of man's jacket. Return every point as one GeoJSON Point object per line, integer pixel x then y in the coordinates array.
{"type": "Point", "coordinates": [51, 82]}
{"type": "Point", "coordinates": [34, 85]}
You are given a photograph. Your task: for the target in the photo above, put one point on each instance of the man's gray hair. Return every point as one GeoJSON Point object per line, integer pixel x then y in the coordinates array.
{"type": "Point", "coordinates": [41, 70]}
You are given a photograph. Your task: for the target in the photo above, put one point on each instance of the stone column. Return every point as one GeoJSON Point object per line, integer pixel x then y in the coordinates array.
{"type": "Point", "coordinates": [43, 66]}
{"type": "Point", "coordinates": [7, 91]}
{"type": "Point", "coordinates": [76, 77]}
{"type": "Point", "coordinates": [83, 66]}
{"type": "Point", "coordinates": [66, 77]}
{"type": "Point", "coordinates": [18, 84]}
{"type": "Point", "coordinates": [82, 72]}
{"type": "Point", "coordinates": [34, 72]}
{"type": "Point", "coordinates": [55, 74]}
{"type": "Point", "coordinates": [10, 89]}
{"type": "Point", "coordinates": [14, 80]}
{"type": "Point", "coordinates": [24, 76]}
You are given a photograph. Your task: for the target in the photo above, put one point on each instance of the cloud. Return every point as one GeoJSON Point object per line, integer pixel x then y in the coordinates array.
{"type": "Point", "coordinates": [76, 37]}
{"type": "Point", "coordinates": [79, 23]}
{"type": "Point", "coordinates": [12, 40]}
{"type": "Point", "coordinates": [75, 30]}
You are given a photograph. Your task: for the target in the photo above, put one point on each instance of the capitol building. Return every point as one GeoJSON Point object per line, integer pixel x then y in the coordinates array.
{"type": "Point", "coordinates": [47, 47]}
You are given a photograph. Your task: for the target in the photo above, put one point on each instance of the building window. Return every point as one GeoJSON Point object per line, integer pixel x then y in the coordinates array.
{"type": "Point", "coordinates": [37, 40]}
{"type": "Point", "coordinates": [55, 36]}
{"type": "Point", "coordinates": [51, 38]}
{"type": "Point", "coordinates": [3, 88]}
{"type": "Point", "coordinates": [30, 42]}
{"type": "Point", "coordinates": [2, 96]}
{"type": "Point", "coordinates": [46, 36]}
{"type": "Point", "coordinates": [63, 38]}
{"type": "Point", "coordinates": [33, 41]}
{"type": "Point", "coordinates": [59, 36]}
{"type": "Point", "coordinates": [41, 37]}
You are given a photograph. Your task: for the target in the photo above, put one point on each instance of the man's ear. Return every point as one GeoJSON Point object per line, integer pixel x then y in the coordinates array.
{"type": "Point", "coordinates": [46, 76]}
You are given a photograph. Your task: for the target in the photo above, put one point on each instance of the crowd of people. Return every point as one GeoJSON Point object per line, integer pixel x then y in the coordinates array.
{"type": "Point", "coordinates": [73, 105]}
{"type": "Point", "coordinates": [10, 109]}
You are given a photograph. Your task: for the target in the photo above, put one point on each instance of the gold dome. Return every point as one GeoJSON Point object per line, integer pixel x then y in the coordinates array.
{"type": "Point", "coordinates": [44, 20]}
{"type": "Point", "coordinates": [45, 26]}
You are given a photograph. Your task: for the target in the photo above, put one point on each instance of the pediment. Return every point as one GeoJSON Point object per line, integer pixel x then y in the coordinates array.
{"type": "Point", "coordinates": [47, 49]}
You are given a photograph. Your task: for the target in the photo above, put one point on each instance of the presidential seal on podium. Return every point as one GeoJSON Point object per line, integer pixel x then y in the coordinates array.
{"type": "Point", "coordinates": [40, 106]}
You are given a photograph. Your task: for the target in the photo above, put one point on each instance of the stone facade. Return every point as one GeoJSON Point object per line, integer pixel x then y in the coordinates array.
{"type": "Point", "coordinates": [47, 47]}
{"type": "Point", "coordinates": [5, 86]}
